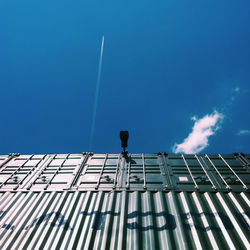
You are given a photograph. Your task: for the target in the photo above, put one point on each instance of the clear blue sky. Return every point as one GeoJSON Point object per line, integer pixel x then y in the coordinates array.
{"type": "Point", "coordinates": [163, 63]}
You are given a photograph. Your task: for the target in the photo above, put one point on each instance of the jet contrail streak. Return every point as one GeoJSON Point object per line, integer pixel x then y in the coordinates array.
{"type": "Point", "coordinates": [96, 97]}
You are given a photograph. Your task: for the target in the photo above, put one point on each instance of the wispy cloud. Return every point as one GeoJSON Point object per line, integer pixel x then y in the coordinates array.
{"type": "Point", "coordinates": [197, 140]}
{"type": "Point", "coordinates": [243, 132]}
{"type": "Point", "coordinates": [236, 89]}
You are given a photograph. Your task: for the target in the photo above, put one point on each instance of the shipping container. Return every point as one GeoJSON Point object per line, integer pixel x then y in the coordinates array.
{"type": "Point", "coordinates": [125, 201]}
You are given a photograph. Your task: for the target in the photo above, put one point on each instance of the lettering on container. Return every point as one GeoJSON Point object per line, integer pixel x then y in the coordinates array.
{"type": "Point", "coordinates": [134, 221]}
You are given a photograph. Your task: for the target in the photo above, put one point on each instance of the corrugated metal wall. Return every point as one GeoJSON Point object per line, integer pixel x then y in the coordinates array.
{"type": "Point", "coordinates": [131, 218]}
{"type": "Point", "coordinates": [124, 220]}
{"type": "Point", "coordinates": [134, 172]}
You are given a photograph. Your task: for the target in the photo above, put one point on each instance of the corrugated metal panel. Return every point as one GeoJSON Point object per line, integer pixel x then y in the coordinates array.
{"type": "Point", "coordinates": [134, 172]}
{"type": "Point", "coordinates": [124, 220]}
{"type": "Point", "coordinates": [111, 201]}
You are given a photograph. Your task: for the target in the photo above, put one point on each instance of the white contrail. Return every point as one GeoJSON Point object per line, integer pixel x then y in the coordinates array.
{"type": "Point", "coordinates": [96, 97]}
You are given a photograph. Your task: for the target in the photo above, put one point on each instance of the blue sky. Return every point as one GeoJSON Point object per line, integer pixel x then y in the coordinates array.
{"type": "Point", "coordinates": [167, 65]}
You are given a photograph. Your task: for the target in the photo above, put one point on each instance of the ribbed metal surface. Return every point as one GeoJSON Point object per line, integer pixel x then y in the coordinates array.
{"type": "Point", "coordinates": [131, 172]}
{"type": "Point", "coordinates": [112, 201]}
{"type": "Point", "coordinates": [124, 220]}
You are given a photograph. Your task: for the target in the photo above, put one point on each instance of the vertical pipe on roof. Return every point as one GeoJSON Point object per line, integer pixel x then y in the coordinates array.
{"type": "Point", "coordinates": [128, 172]}
{"type": "Point", "coordinates": [117, 171]}
{"type": "Point", "coordinates": [166, 170]}
{"type": "Point", "coordinates": [100, 176]}
{"type": "Point", "coordinates": [78, 171]}
{"type": "Point", "coordinates": [213, 186]}
{"type": "Point", "coordinates": [227, 186]}
{"type": "Point", "coordinates": [243, 184]}
{"type": "Point", "coordinates": [244, 160]}
{"type": "Point", "coordinates": [195, 184]}
{"type": "Point", "coordinates": [144, 172]}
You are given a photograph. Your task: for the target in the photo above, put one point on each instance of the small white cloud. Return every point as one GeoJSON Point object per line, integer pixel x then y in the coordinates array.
{"type": "Point", "coordinates": [243, 132]}
{"type": "Point", "coordinates": [237, 89]}
{"type": "Point", "coordinates": [193, 118]}
{"type": "Point", "coordinates": [197, 140]}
